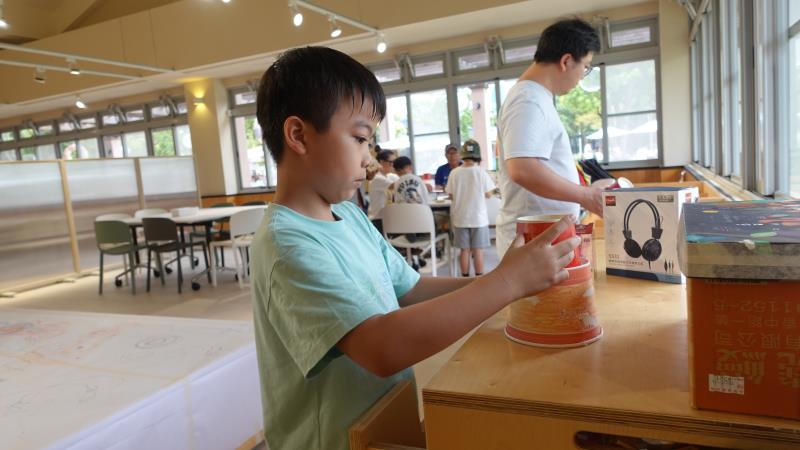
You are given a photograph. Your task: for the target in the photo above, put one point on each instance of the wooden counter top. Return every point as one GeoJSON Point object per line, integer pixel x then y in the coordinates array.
{"type": "Point", "coordinates": [636, 377]}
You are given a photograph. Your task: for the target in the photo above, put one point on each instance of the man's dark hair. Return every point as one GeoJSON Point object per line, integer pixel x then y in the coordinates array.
{"type": "Point", "coordinates": [574, 36]}
{"type": "Point", "coordinates": [450, 147]}
{"type": "Point", "coordinates": [312, 83]}
{"type": "Point", "coordinates": [401, 163]}
{"type": "Point", "coordinates": [384, 155]}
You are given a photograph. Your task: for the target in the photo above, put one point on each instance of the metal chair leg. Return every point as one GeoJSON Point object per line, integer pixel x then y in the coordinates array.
{"type": "Point", "coordinates": [101, 273]}
{"type": "Point", "coordinates": [133, 272]}
{"type": "Point", "coordinates": [180, 274]}
{"type": "Point", "coordinates": [149, 268]}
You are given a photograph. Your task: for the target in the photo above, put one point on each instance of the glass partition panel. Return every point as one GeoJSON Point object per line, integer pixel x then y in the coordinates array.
{"type": "Point", "coordinates": [430, 126]}
{"type": "Point", "coordinates": [95, 188]}
{"type": "Point", "coordinates": [34, 239]}
{"type": "Point", "coordinates": [168, 182]}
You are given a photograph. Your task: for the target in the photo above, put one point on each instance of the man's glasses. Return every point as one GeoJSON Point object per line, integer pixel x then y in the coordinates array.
{"type": "Point", "coordinates": [587, 70]}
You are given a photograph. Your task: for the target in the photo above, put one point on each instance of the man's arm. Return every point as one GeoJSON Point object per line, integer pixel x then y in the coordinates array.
{"type": "Point", "coordinates": [387, 343]}
{"type": "Point", "coordinates": [533, 175]}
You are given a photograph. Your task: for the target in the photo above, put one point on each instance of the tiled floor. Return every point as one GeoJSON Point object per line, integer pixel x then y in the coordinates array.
{"type": "Point", "coordinates": [226, 301]}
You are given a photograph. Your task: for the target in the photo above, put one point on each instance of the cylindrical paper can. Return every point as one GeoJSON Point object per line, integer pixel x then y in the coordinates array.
{"type": "Point", "coordinates": [532, 226]}
{"type": "Point", "coordinates": [562, 316]}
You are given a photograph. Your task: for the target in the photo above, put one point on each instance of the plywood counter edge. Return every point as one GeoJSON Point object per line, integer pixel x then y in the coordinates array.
{"type": "Point", "coordinates": [693, 425]}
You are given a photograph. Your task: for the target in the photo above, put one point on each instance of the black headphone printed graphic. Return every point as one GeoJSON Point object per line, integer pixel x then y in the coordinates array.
{"type": "Point", "coordinates": [651, 249]}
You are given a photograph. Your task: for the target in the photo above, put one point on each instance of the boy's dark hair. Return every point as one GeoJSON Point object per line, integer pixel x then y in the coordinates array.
{"type": "Point", "coordinates": [312, 83]}
{"type": "Point", "coordinates": [574, 36]}
{"type": "Point", "coordinates": [384, 155]}
{"type": "Point", "coordinates": [401, 163]}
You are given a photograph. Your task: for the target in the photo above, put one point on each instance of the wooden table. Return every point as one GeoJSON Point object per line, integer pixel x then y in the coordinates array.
{"type": "Point", "coordinates": [497, 394]}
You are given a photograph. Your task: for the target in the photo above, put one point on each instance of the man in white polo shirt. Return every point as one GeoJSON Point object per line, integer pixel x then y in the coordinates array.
{"type": "Point", "coordinates": [537, 172]}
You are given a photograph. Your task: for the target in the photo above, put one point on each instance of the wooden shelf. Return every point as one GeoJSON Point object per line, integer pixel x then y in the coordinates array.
{"type": "Point", "coordinates": [495, 393]}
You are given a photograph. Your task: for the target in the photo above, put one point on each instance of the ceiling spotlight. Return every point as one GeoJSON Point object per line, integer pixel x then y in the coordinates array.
{"type": "Point", "coordinates": [3, 23]}
{"type": "Point", "coordinates": [381, 47]}
{"type": "Point", "coordinates": [39, 75]}
{"type": "Point", "coordinates": [297, 16]}
{"type": "Point", "coordinates": [73, 67]}
{"type": "Point", "coordinates": [79, 103]}
{"type": "Point", "coordinates": [336, 30]}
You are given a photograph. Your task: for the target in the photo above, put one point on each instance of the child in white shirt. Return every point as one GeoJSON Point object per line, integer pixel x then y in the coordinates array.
{"type": "Point", "coordinates": [469, 186]}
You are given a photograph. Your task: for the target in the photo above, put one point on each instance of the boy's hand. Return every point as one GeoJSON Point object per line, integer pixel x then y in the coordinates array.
{"type": "Point", "coordinates": [533, 267]}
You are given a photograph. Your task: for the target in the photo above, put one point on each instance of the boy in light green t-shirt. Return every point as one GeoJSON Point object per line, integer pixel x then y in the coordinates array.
{"type": "Point", "coordinates": [340, 317]}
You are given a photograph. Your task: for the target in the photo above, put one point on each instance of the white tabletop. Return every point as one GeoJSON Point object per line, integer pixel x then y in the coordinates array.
{"type": "Point", "coordinates": [203, 215]}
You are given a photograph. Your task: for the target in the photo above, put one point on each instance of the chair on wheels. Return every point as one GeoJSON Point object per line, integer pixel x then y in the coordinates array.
{"type": "Point", "coordinates": [410, 218]}
{"type": "Point", "coordinates": [242, 227]}
{"type": "Point", "coordinates": [114, 238]}
{"type": "Point", "coordinates": [161, 235]}
{"type": "Point", "coordinates": [218, 230]}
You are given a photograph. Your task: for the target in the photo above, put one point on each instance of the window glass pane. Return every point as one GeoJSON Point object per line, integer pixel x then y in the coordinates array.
{"type": "Point", "coordinates": [477, 118]}
{"type": "Point", "coordinates": [66, 126]}
{"type": "Point", "coordinates": [110, 119]}
{"type": "Point", "coordinates": [45, 129]}
{"type": "Point", "coordinates": [87, 123]}
{"type": "Point", "coordinates": [28, 153]}
{"type": "Point", "coordinates": [6, 136]}
{"type": "Point", "coordinates": [8, 155]}
{"type": "Point", "coordinates": [85, 148]}
{"type": "Point", "coordinates": [392, 133]}
{"type": "Point", "coordinates": [430, 127]}
{"type": "Point", "coordinates": [473, 61]}
{"type": "Point", "coordinates": [183, 137]}
{"type": "Point", "coordinates": [244, 98]}
{"type": "Point", "coordinates": [505, 86]}
{"type": "Point", "coordinates": [633, 137]}
{"type": "Point", "coordinates": [163, 144]}
{"type": "Point", "coordinates": [518, 54]}
{"type": "Point", "coordinates": [135, 144]}
{"type": "Point", "coordinates": [631, 87]}
{"type": "Point", "coordinates": [113, 146]}
{"type": "Point", "coordinates": [580, 111]}
{"type": "Point", "coordinates": [794, 12]}
{"type": "Point", "coordinates": [44, 152]}
{"type": "Point", "coordinates": [388, 74]}
{"type": "Point", "coordinates": [134, 115]}
{"type": "Point", "coordinates": [794, 115]}
{"type": "Point", "coordinates": [157, 111]}
{"type": "Point", "coordinates": [251, 153]}
{"type": "Point", "coordinates": [181, 105]}
{"type": "Point", "coordinates": [630, 36]}
{"type": "Point", "coordinates": [428, 68]}
{"type": "Point", "coordinates": [26, 133]}
{"type": "Point", "coordinates": [88, 148]}
{"type": "Point", "coordinates": [67, 149]}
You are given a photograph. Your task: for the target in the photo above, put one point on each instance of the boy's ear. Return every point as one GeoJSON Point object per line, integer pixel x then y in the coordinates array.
{"type": "Point", "coordinates": [294, 134]}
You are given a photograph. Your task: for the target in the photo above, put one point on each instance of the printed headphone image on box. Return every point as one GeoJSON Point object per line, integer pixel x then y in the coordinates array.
{"type": "Point", "coordinates": [651, 249]}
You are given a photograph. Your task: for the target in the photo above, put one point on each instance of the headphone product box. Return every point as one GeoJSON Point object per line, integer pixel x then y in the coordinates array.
{"type": "Point", "coordinates": [641, 231]}
{"type": "Point", "coordinates": [742, 260]}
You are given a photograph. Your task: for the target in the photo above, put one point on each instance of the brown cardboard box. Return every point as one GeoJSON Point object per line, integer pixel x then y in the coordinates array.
{"type": "Point", "coordinates": [744, 346]}
{"type": "Point", "coordinates": [742, 260]}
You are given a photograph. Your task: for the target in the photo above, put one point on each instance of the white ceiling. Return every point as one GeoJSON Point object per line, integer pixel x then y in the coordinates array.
{"type": "Point", "coordinates": [432, 30]}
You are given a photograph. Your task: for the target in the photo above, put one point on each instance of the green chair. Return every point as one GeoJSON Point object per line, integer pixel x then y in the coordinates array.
{"type": "Point", "coordinates": [114, 238]}
{"type": "Point", "coordinates": [161, 235]}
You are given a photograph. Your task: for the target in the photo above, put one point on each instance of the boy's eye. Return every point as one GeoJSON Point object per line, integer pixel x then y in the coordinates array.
{"type": "Point", "coordinates": [360, 139]}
